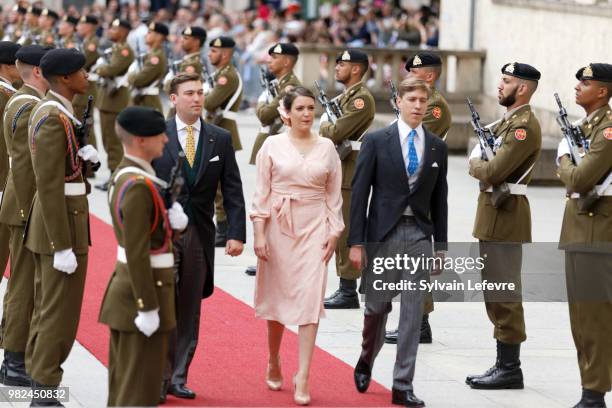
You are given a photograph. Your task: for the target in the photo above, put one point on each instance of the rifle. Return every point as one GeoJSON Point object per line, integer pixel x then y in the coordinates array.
{"type": "Point", "coordinates": [139, 56]}
{"type": "Point", "coordinates": [572, 133]}
{"type": "Point", "coordinates": [393, 99]}
{"type": "Point", "coordinates": [206, 75]}
{"type": "Point", "coordinates": [332, 108]}
{"type": "Point", "coordinates": [176, 182]}
{"type": "Point", "coordinates": [486, 138]}
{"type": "Point", "coordinates": [267, 83]}
{"type": "Point", "coordinates": [82, 131]}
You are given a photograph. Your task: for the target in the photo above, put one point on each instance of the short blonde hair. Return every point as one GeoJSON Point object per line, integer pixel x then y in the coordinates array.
{"type": "Point", "coordinates": [412, 84]}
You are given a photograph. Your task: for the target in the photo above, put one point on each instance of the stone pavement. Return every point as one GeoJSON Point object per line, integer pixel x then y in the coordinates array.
{"type": "Point", "coordinates": [463, 342]}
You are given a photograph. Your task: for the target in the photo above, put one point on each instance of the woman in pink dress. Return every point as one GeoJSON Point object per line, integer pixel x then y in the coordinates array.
{"type": "Point", "coordinates": [297, 219]}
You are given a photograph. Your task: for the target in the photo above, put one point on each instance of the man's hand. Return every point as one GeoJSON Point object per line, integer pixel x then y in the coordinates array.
{"type": "Point", "coordinates": [563, 149]}
{"type": "Point", "coordinates": [438, 267]}
{"type": "Point", "coordinates": [65, 261]}
{"type": "Point", "coordinates": [177, 217]}
{"type": "Point", "coordinates": [147, 322]}
{"type": "Point", "coordinates": [233, 247]}
{"type": "Point", "coordinates": [476, 152]}
{"type": "Point", "coordinates": [88, 153]}
{"type": "Point", "coordinates": [329, 247]}
{"type": "Point", "coordinates": [357, 257]}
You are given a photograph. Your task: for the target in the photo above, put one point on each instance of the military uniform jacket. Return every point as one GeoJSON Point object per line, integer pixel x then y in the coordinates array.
{"type": "Point", "coordinates": [191, 64]}
{"type": "Point", "coordinates": [57, 221]}
{"type": "Point", "coordinates": [17, 32]}
{"type": "Point", "coordinates": [6, 91]}
{"type": "Point", "coordinates": [47, 37]}
{"type": "Point", "coordinates": [267, 113]}
{"type": "Point", "coordinates": [227, 81]}
{"type": "Point", "coordinates": [20, 186]}
{"type": "Point", "coordinates": [358, 110]}
{"type": "Point", "coordinates": [115, 100]}
{"type": "Point", "coordinates": [141, 227]}
{"type": "Point", "coordinates": [593, 226]}
{"type": "Point", "coordinates": [90, 50]}
{"type": "Point", "coordinates": [153, 70]}
{"type": "Point", "coordinates": [519, 139]}
{"type": "Point", "coordinates": [29, 35]}
{"type": "Point", "coordinates": [438, 116]}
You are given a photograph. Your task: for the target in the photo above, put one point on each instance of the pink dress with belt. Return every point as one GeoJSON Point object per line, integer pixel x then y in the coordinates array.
{"type": "Point", "coordinates": [299, 199]}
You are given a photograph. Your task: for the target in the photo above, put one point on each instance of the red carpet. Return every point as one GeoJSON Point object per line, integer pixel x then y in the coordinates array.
{"type": "Point", "coordinates": [230, 362]}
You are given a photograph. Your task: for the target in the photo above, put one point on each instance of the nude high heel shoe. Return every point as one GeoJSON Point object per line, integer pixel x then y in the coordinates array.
{"type": "Point", "coordinates": [300, 399]}
{"type": "Point", "coordinates": [275, 384]}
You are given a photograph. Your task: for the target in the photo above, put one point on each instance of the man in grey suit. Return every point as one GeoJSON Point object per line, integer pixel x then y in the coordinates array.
{"type": "Point", "coordinates": [404, 167]}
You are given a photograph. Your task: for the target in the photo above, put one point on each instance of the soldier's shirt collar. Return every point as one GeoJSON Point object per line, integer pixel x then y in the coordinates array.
{"type": "Point", "coordinates": [597, 115]}
{"type": "Point", "coordinates": [285, 77]}
{"type": "Point", "coordinates": [146, 166]}
{"type": "Point", "coordinates": [193, 54]}
{"type": "Point", "coordinates": [509, 114]}
{"type": "Point", "coordinates": [67, 104]}
{"type": "Point", "coordinates": [353, 87]}
{"type": "Point", "coordinates": [38, 92]}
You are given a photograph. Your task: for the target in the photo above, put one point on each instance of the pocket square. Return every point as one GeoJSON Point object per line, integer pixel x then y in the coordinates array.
{"type": "Point", "coordinates": [435, 164]}
{"type": "Point", "coordinates": [216, 158]}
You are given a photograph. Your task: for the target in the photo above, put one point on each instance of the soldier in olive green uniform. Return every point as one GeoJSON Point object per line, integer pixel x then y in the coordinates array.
{"type": "Point", "coordinates": [57, 231]}
{"type": "Point", "coordinates": [502, 225]}
{"type": "Point", "coordinates": [221, 104]}
{"type": "Point", "coordinates": [113, 93]}
{"type": "Point", "coordinates": [17, 26]}
{"type": "Point", "coordinates": [358, 109]}
{"type": "Point", "coordinates": [16, 204]}
{"type": "Point", "coordinates": [46, 23]}
{"type": "Point", "coordinates": [138, 305]}
{"type": "Point", "coordinates": [146, 79]}
{"type": "Point", "coordinates": [586, 236]}
{"type": "Point", "coordinates": [31, 32]}
{"type": "Point", "coordinates": [66, 32]}
{"type": "Point", "coordinates": [428, 67]}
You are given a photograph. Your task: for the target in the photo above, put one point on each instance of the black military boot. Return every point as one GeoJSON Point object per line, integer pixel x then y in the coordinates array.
{"type": "Point", "coordinates": [221, 234]}
{"type": "Point", "coordinates": [12, 372]}
{"type": "Point", "coordinates": [507, 373]}
{"type": "Point", "coordinates": [346, 297]}
{"type": "Point", "coordinates": [251, 270]}
{"type": "Point", "coordinates": [42, 396]}
{"type": "Point", "coordinates": [470, 377]}
{"type": "Point", "coordinates": [163, 392]}
{"type": "Point", "coordinates": [591, 399]}
{"type": "Point", "coordinates": [391, 336]}
{"type": "Point", "coordinates": [426, 337]}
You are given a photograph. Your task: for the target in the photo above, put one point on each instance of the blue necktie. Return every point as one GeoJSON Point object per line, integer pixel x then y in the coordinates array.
{"type": "Point", "coordinates": [413, 159]}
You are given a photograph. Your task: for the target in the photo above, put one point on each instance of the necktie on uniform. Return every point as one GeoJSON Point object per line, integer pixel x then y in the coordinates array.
{"type": "Point", "coordinates": [190, 146]}
{"type": "Point", "coordinates": [413, 159]}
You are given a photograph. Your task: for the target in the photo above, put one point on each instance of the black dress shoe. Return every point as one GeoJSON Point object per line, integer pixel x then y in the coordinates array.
{"type": "Point", "coordinates": [221, 234]}
{"type": "Point", "coordinates": [342, 301]}
{"type": "Point", "coordinates": [391, 336]}
{"type": "Point", "coordinates": [39, 389]}
{"type": "Point", "coordinates": [362, 376]}
{"type": "Point", "coordinates": [181, 391]}
{"type": "Point", "coordinates": [12, 372]}
{"type": "Point", "coordinates": [103, 186]}
{"type": "Point", "coordinates": [333, 295]}
{"type": "Point", "coordinates": [591, 399]}
{"type": "Point", "coordinates": [405, 398]}
{"type": "Point", "coordinates": [506, 374]}
{"type": "Point", "coordinates": [251, 270]}
{"type": "Point", "coordinates": [426, 337]}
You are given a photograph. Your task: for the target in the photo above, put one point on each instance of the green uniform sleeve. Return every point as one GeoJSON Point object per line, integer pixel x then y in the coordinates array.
{"type": "Point", "coordinates": [23, 175]}
{"type": "Point", "coordinates": [352, 120]}
{"type": "Point", "coordinates": [150, 72]}
{"type": "Point", "coordinates": [225, 86]}
{"type": "Point", "coordinates": [118, 65]}
{"type": "Point", "coordinates": [437, 119]}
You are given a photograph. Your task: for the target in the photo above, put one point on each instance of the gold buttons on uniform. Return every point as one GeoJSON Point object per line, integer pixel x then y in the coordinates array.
{"type": "Point", "coordinates": [75, 212]}
{"type": "Point", "coordinates": [590, 214]}
{"type": "Point", "coordinates": [159, 283]}
{"type": "Point", "coordinates": [140, 303]}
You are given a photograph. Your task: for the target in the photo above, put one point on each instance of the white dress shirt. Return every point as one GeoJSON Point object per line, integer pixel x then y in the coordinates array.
{"type": "Point", "coordinates": [181, 130]}
{"type": "Point", "coordinates": [419, 143]}
{"type": "Point", "coordinates": [67, 104]}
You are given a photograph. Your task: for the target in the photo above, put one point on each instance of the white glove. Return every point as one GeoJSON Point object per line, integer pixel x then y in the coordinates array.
{"type": "Point", "coordinates": [177, 217]}
{"type": "Point", "coordinates": [206, 88]}
{"type": "Point", "coordinates": [147, 322]}
{"type": "Point", "coordinates": [65, 261]}
{"type": "Point", "coordinates": [88, 153]}
{"type": "Point", "coordinates": [476, 152]}
{"type": "Point", "coordinates": [563, 149]}
{"type": "Point", "coordinates": [264, 97]}
{"type": "Point", "coordinates": [1, 194]}
{"type": "Point", "coordinates": [324, 118]}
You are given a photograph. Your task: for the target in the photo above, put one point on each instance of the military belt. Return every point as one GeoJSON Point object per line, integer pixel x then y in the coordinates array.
{"type": "Point", "coordinates": [515, 189]}
{"type": "Point", "coordinates": [74, 189]}
{"type": "Point", "coordinates": [606, 193]}
{"type": "Point", "coordinates": [157, 260]}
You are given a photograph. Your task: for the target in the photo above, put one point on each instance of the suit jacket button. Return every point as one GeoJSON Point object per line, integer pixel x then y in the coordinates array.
{"type": "Point", "coordinates": [159, 283]}
{"type": "Point", "coordinates": [140, 303]}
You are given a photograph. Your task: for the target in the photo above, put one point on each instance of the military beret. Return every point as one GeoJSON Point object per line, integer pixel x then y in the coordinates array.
{"type": "Point", "coordinates": [523, 71]}
{"type": "Point", "coordinates": [90, 19]}
{"type": "Point", "coordinates": [142, 121]}
{"type": "Point", "coordinates": [119, 22]}
{"type": "Point", "coordinates": [31, 54]}
{"type": "Point", "coordinates": [424, 59]}
{"type": "Point", "coordinates": [352, 56]}
{"type": "Point", "coordinates": [222, 42]}
{"type": "Point", "coordinates": [37, 11]}
{"type": "Point", "coordinates": [50, 13]}
{"type": "Point", "coordinates": [596, 72]}
{"type": "Point", "coordinates": [159, 28]}
{"type": "Point", "coordinates": [61, 61]}
{"type": "Point", "coordinates": [8, 49]}
{"type": "Point", "coordinates": [19, 9]}
{"type": "Point", "coordinates": [197, 32]}
{"type": "Point", "coordinates": [284, 49]}
{"type": "Point", "coordinates": [70, 19]}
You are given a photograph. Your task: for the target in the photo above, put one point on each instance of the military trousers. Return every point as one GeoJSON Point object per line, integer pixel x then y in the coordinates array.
{"type": "Point", "coordinates": [591, 316]}
{"type": "Point", "coordinates": [135, 368]}
{"type": "Point", "coordinates": [58, 297]}
{"type": "Point", "coordinates": [4, 258]}
{"type": "Point", "coordinates": [152, 101]}
{"type": "Point", "coordinates": [344, 269]}
{"type": "Point", "coordinates": [19, 296]}
{"type": "Point", "coordinates": [259, 141]}
{"type": "Point", "coordinates": [502, 263]}
{"type": "Point", "coordinates": [110, 140]}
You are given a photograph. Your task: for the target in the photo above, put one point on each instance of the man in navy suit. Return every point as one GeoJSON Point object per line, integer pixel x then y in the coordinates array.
{"type": "Point", "coordinates": [209, 160]}
{"type": "Point", "coordinates": [404, 167]}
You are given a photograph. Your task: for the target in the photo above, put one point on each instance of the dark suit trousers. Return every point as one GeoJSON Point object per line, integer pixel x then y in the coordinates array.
{"type": "Point", "coordinates": [190, 264]}
{"type": "Point", "coordinates": [406, 237]}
